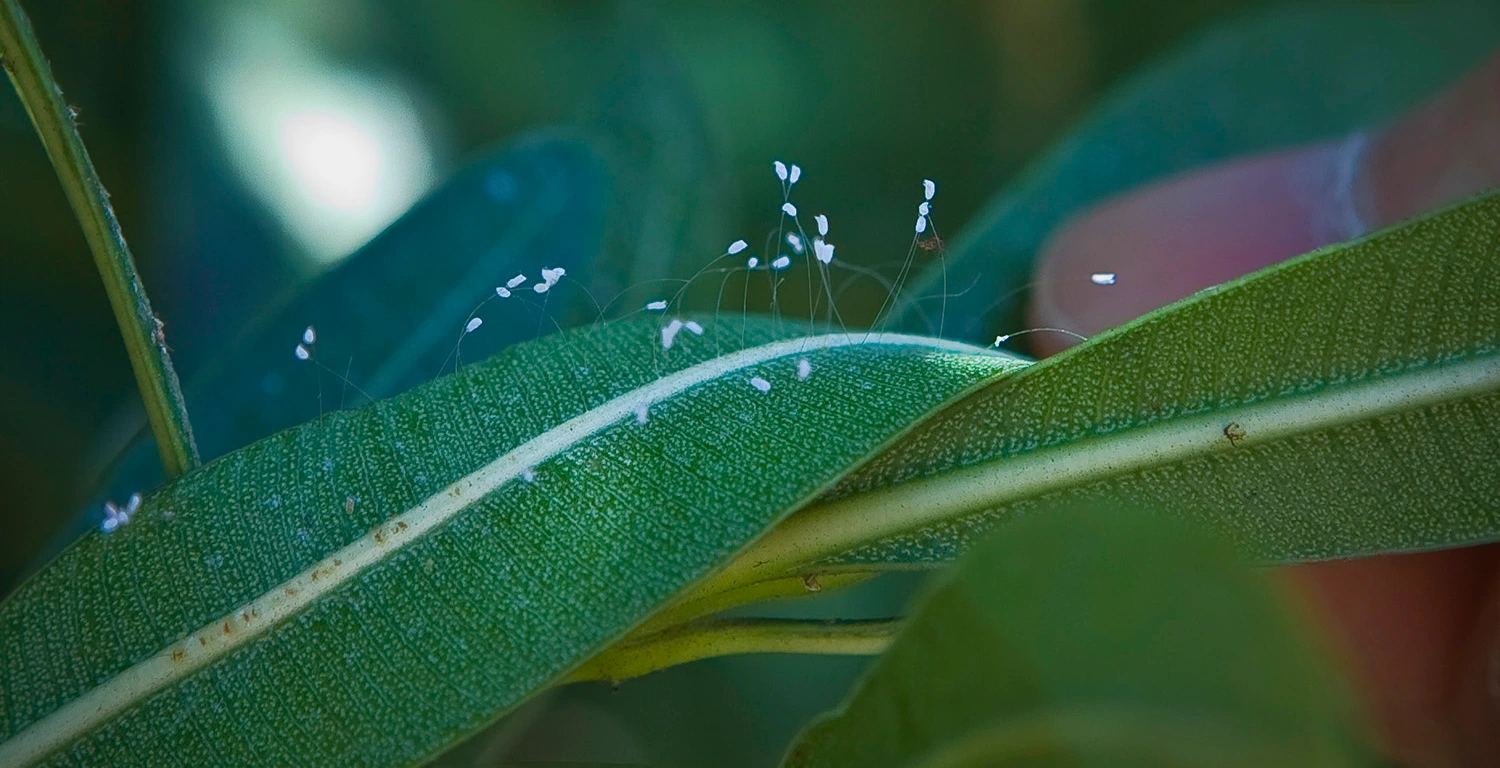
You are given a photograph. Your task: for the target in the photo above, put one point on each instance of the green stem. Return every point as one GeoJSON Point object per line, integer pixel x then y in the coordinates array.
{"type": "Point", "coordinates": [144, 340]}
{"type": "Point", "coordinates": [708, 638]}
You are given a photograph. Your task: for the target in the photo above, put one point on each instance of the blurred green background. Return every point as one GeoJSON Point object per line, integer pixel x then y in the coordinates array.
{"type": "Point", "coordinates": [250, 145]}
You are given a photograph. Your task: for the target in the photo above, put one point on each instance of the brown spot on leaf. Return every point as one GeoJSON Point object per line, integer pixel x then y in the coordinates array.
{"type": "Point", "coordinates": [1234, 433]}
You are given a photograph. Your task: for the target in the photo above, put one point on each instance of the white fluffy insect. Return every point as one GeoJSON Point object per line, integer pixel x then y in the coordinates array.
{"type": "Point", "coordinates": [515, 282]}
{"type": "Point", "coordinates": [302, 353]}
{"type": "Point", "coordinates": [804, 369]}
{"type": "Point", "coordinates": [669, 333]}
{"type": "Point", "coordinates": [780, 167]}
{"type": "Point", "coordinates": [1103, 278]}
{"type": "Point", "coordinates": [656, 306]}
{"type": "Point", "coordinates": [760, 384]}
{"type": "Point", "coordinates": [529, 475]}
{"type": "Point", "coordinates": [737, 246]}
{"type": "Point", "coordinates": [551, 276]}
{"type": "Point", "coordinates": [781, 262]}
{"type": "Point", "coordinates": [642, 412]}
{"type": "Point", "coordinates": [789, 209]}
{"type": "Point", "coordinates": [473, 324]}
{"type": "Point", "coordinates": [929, 188]}
{"type": "Point", "coordinates": [310, 335]}
{"type": "Point", "coordinates": [823, 251]}
{"type": "Point", "coordinates": [822, 224]}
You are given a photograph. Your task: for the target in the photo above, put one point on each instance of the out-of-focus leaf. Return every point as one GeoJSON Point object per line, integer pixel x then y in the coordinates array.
{"type": "Point", "coordinates": [374, 585]}
{"type": "Point", "coordinates": [1269, 81]}
{"type": "Point", "coordinates": [390, 315]}
{"type": "Point", "coordinates": [669, 183]}
{"type": "Point", "coordinates": [1098, 639]}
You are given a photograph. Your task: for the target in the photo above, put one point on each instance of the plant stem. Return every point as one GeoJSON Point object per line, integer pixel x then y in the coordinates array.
{"type": "Point", "coordinates": [708, 638]}
{"type": "Point", "coordinates": [145, 341]}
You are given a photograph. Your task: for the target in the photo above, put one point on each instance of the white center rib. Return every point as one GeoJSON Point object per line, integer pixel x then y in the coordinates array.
{"type": "Point", "coordinates": [222, 636]}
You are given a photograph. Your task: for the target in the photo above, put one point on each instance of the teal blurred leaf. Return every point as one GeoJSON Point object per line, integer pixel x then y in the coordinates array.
{"type": "Point", "coordinates": [389, 316]}
{"type": "Point", "coordinates": [1268, 81]}
{"type": "Point", "coordinates": [1094, 639]}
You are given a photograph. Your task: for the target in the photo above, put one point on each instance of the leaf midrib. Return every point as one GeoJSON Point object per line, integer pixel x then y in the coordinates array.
{"type": "Point", "coordinates": [831, 529]}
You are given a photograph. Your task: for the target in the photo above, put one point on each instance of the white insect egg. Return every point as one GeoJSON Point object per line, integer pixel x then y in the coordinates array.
{"type": "Point", "coordinates": [795, 174]}
{"type": "Point", "coordinates": [473, 324]}
{"type": "Point", "coordinates": [781, 262]}
{"type": "Point", "coordinates": [789, 209]}
{"type": "Point", "coordinates": [109, 524]}
{"type": "Point", "coordinates": [921, 224]}
{"type": "Point", "coordinates": [795, 241]}
{"type": "Point", "coordinates": [780, 169]}
{"type": "Point", "coordinates": [760, 384]}
{"type": "Point", "coordinates": [1103, 278]}
{"type": "Point", "coordinates": [1001, 339]}
{"type": "Point", "coordinates": [804, 369]}
{"type": "Point", "coordinates": [515, 281]}
{"type": "Point", "coordinates": [302, 353]}
{"type": "Point", "coordinates": [669, 333]}
{"type": "Point", "coordinates": [656, 306]}
{"type": "Point", "coordinates": [737, 246]}
{"type": "Point", "coordinates": [752, 263]}
{"type": "Point", "coordinates": [542, 287]}
{"type": "Point", "coordinates": [925, 208]}
{"type": "Point", "coordinates": [502, 291]}
{"type": "Point", "coordinates": [929, 188]}
{"type": "Point", "coordinates": [823, 251]}
{"type": "Point", "coordinates": [309, 336]}
{"type": "Point", "coordinates": [692, 325]}
{"type": "Point", "coordinates": [133, 504]}
{"type": "Point", "coordinates": [822, 224]}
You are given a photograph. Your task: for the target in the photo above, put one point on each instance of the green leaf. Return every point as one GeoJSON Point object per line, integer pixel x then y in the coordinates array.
{"type": "Point", "coordinates": [1270, 81]}
{"type": "Point", "coordinates": [1341, 404]}
{"type": "Point", "coordinates": [379, 583]}
{"type": "Point", "coordinates": [1104, 638]}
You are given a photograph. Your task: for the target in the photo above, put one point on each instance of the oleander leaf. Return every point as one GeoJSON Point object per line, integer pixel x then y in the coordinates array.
{"type": "Point", "coordinates": [1341, 404]}
{"type": "Point", "coordinates": [1094, 638]}
{"type": "Point", "coordinates": [1266, 81]}
{"type": "Point", "coordinates": [372, 586]}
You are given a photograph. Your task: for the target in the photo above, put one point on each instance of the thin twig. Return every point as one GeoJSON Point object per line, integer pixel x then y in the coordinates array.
{"type": "Point", "coordinates": [144, 338]}
{"type": "Point", "coordinates": [708, 638]}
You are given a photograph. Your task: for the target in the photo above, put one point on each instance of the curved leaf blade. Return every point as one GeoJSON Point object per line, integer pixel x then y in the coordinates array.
{"type": "Point", "coordinates": [1094, 639]}
{"type": "Point", "coordinates": [376, 584]}
{"type": "Point", "coordinates": [1337, 405]}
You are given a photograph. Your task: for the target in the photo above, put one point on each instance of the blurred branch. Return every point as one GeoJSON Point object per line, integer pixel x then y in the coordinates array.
{"type": "Point", "coordinates": [708, 638]}
{"type": "Point", "coordinates": [144, 339]}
